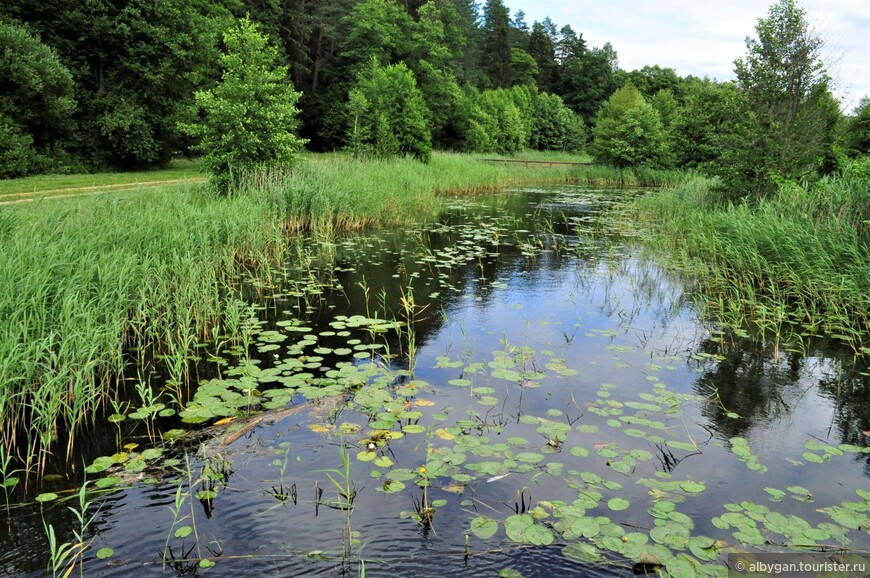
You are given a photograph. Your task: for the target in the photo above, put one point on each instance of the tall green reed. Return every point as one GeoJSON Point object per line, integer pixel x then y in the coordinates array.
{"type": "Point", "coordinates": [797, 262]}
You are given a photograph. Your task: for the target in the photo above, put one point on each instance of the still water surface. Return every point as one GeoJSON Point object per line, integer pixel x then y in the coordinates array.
{"type": "Point", "coordinates": [555, 393]}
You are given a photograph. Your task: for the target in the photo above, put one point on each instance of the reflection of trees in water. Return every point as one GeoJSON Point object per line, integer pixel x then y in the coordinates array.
{"type": "Point", "coordinates": [750, 382]}
{"type": "Point", "coordinates": [606, 273]}
{"type": "Point", "coordinates": [849, 389]}
{"type": "Point", "coordinates": [635, 286]}
{"type": "Point", "coordinates": [482, 240]}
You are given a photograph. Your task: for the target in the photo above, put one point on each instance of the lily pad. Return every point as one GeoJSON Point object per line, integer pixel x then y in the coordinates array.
{"type": "Point", "coordinates": [618, 504]}
{"type": "Point", "coordinates": [484, 528]}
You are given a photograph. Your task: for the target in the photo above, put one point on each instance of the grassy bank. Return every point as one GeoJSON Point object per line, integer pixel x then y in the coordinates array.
{"type": "Point", "coordinates": [797, 263]}
{"type": "Point", "coordinates": [82, 280]}
{"type": "Point", "coordinates": [338, 192]}
{"type": "Point", "coordinates": [51, 185]}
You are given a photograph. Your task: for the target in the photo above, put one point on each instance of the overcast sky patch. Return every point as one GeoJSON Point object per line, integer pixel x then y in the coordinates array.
{"type": "Point", "coordinates": [704, 38]}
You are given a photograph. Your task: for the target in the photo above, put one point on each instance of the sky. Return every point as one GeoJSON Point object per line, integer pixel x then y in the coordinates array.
{"type": "Point", "coordinates": [703, 38]}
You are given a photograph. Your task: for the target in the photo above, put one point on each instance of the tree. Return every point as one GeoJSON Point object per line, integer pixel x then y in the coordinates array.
{"type": "Point", "coordinates": [378, 29]}
{"type": "Point", "coordinates": [433, 53]}
{"type": "Point", "coordinates": [586, 81]}
{"type": "Point", "coordinates": [555, 126]}
{"type": "Point", "coordinates": [35, 101]}
{"type": "Point", "coordinates": [250, 115]}
{"type": "Point", "coordinates": [569, 44]}
{"type": "Point", "coordinates": [388, 116]}
{"type": "Point", "coordinates": [628, 131]}
{"type": "Point", "coordinates": [519, 31]}
{"type": "Point", "coordinates": [651, 79]}
{"type": "Point", "coordinates": [785, 81]}
{"type": "Point", "coordinates": [469, 66]}
{"type": "Point", "coordinates": [496, 124]}
{"type": "Point", "coordinates": [496, 43]}
{"type": "Point", "coordinates": [135, 66]}
{"type": "Point", "coordinates": [541, 49]}
{"type": "Point", "coordinates": [711, 112]}
{"type": "Point", "coordinates": [858, 129]}
{"type": "Point", "coordinates": [524, 69]}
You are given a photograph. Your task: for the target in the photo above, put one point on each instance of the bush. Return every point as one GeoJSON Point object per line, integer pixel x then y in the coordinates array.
{"type": "Point", "coordinates": [555, 127]}
{"type": "Point", "coordinates": [17, 155]}
{"type": "Point", "coordinates": [497, 124]}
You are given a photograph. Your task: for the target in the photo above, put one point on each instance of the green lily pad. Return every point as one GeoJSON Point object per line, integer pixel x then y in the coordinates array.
{"type": "Point", "coordinates": [582, 552]}
{"type": "Point", "coordinates": [618, 504]}
{"type": "Point", "coordinates": [104, 553]}
{"type": "Point", "coordinates": [484, 528]}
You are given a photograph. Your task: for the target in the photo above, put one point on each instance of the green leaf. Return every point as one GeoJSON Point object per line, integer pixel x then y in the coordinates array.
{"type": "Point", "coordinates": [582, 552]}
{"type": "Point", "coordinates": [484, 528]}
{"type": "Point", "coordinates": [529, 457]}
{"type": "Point", "coordinates": [538, 535]}
{"type": "Point", "coordinates": [516, 525]}
{"type": "Point", "coordinates": [618, 504]}
{"type": "Point", "coordinates": [46, 497]}
{"type": "Point", "coordinates": [680, 568]}
{"type": "Point", "coordinates": [383, 462]}
{"type": "Point", "coordinates": [100, 464]}
{"type": "Point", "coordinates": [620, 466]}
{"type": "Point", "coordinates": [183, 532]}
{"type": "Point", "coordinates": [814, 458]}
{"type": "Point", "coordinates": [692, 487]}
{"type": "Point", "coordinates": [104, 553]}
{"type": "Point", "coordinates": [775, 494]}
{"type": "Point", "coordinates": [586, 526]}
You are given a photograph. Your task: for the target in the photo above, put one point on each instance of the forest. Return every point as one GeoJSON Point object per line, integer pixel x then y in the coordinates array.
{"type": "Point", "coordinates": [111, 85]}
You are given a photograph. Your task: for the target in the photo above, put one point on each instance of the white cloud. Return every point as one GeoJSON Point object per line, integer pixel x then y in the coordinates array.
{"type": "Point", "coordinates": [704, 38]}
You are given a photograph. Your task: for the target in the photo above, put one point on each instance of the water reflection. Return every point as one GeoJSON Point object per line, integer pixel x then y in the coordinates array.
{"type": "Point", "coordinates": [539, 329]}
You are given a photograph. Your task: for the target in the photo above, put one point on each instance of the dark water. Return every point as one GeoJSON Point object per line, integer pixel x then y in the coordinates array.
{"type": "Point", "coordinates": [550, 367]}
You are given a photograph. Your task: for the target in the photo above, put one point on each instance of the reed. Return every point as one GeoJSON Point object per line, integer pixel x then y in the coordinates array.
{"type": "Point", "coordinates": [339, 192]}
{"type": "Point", "coordinates": [82, 280]}
{"type": "Point", "coordinates": [796, 262]}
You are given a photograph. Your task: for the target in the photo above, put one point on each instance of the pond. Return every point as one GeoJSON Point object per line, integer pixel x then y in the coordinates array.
{"type": "Point", "coordinates": [516, 388]}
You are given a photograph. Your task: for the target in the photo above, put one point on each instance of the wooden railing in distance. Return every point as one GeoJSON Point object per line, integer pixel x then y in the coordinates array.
{"type": "Point", "coordinates": [536, 163]}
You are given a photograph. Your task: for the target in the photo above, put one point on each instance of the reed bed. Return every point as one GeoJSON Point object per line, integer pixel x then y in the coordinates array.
{"type": "Point", "coordinates": [340, 192]}
{"type": "Point", "coordinates": [81, 281]}
{"type": "Point", "coordinates": [798, 262]}
{"type": "Point", "coordinates": [87, 282]}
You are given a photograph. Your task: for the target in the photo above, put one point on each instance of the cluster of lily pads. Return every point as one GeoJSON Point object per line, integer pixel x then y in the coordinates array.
{"type": "Point", "coordinates": [597, 453]}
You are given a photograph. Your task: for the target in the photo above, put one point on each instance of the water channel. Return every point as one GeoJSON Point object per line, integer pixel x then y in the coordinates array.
{"type": "Point", "coordinates": [518, 387]}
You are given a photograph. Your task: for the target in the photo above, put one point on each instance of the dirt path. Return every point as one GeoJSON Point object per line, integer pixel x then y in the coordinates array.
{"type": "Point", "coordinates": [67, 192]}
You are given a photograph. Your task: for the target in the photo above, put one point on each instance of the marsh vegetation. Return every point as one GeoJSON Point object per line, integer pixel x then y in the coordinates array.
{"type": "Point", "coordinates": [516, 384]}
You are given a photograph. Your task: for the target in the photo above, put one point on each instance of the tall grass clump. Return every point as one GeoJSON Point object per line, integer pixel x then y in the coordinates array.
{"type": "Point", "coordinates": [82, 280]}
{"type": "Point", "coordinates": [799, 259]}
{"type": "Point", "coordinates": [337, 192]}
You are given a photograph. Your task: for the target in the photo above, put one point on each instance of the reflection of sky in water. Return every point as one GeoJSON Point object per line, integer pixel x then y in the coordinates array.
{"type": "Point", "coordinates": [614, 317]}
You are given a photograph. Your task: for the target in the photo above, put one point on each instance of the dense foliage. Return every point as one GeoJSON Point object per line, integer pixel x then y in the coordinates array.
{"type": "Point", "coordinates": [249, 117]}
{"type": "Point", "coordinates": [629, 131]}
{"type": "Point", "coordinates": [115, 82]}
{"type": "Point", "coordinates": [35, 101]}
{"type": "Point", "coordinates": [388, 114]}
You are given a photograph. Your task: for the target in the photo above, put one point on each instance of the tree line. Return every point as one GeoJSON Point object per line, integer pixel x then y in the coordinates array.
{"type": "Point", "coordinates": [127, 84]}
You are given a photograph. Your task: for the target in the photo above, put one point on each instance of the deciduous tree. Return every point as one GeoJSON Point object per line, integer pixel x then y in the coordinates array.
{"type": "Point", "coordinates": [388, 116]}
{"type": "Point", "coordinates": [786, 83]}
{"type": "Point", "coordinates": [249, 117]}
{"type": "Point", "coordinates": [628, 131]}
